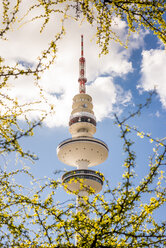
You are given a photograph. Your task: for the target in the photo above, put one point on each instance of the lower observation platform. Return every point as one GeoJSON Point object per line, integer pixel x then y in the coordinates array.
{"type": "Point", "coordinates": [76, 181]}
{"type": "Point", "coordinates": [89, 150]}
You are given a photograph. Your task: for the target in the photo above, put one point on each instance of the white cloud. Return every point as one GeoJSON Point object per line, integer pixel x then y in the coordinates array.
{"type": "Point", "coordinates": [60, 81]}
{"type": "Point", "coordinates": [154, 72]}
{"type": "Point", "coordinates": [157, 114]}
{"type": "Point", "coordinates": [105, 95]}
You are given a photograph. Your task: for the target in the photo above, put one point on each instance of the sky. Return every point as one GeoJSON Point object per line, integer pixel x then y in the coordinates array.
{"type": "Point", "coordinates": [117, 82]}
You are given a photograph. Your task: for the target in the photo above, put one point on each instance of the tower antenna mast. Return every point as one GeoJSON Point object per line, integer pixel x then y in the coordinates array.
{"type": "Point", "coordinates": [82, 79]}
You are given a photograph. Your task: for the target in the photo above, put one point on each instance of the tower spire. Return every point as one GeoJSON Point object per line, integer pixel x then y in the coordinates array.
{"type": "Point", "coordinates": [82, 79]}
{"type": "Point", "coordinates": [82, 46]}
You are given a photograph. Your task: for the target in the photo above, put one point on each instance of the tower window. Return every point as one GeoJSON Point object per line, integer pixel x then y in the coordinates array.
{"type": "Point", "coordinates": [82, 119]}
{"type": "Point", "coordinates": [82, 130]}
{"type": "Point", "coordinates": [84, 105]}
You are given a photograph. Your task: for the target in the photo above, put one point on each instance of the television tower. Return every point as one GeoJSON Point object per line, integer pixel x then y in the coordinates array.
{"type": "Point", "coordinates": [82, 150]}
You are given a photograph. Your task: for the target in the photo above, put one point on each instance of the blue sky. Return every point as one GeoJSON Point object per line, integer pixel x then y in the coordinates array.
{"type": "Point", "coordinates": [117, 83]}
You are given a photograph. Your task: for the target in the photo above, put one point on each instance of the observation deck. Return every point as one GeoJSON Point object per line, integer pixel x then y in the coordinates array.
{"type": "Point", "coordinates": [83, 180]}
{"type": "Point", "coordinates": [73, 151]}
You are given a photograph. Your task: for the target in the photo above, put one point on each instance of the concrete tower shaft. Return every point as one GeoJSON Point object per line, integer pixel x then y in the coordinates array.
{"type": "Point", "coordinates": [82, 120]}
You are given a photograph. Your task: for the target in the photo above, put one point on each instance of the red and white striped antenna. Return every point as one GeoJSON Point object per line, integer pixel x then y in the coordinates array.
{"type": "Point", "coordinates": [82, 79]}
